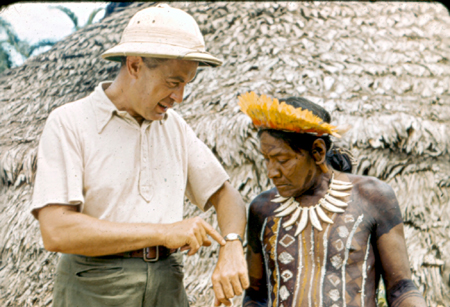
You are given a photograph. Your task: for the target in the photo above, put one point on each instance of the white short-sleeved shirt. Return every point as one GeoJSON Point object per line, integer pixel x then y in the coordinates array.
{"type": "Point", "coordinates": [99, 158]}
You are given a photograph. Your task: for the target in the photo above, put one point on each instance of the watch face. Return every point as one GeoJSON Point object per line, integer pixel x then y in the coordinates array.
{"type": "Point", "coordinates": [231, 236]}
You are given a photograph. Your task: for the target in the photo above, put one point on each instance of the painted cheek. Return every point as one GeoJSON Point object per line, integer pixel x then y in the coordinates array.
{"type": "Point", "coordinates": [292, 168]}
{"type": "Point", "coordinates": [308, 176]}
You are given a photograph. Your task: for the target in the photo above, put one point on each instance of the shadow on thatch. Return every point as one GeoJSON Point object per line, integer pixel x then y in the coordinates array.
{"type": "Point", "coordinates": [382, 67]}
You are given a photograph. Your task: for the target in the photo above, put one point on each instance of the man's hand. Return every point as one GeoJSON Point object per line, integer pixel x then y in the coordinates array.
{"type": "Point", "coordinates": [230, 277]}
{"type": "Point", "coordinates": [190, 234]}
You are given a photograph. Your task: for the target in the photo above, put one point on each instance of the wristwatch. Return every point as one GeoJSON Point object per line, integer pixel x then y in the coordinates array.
{"type": "Point", "coordinates": [233, 236]}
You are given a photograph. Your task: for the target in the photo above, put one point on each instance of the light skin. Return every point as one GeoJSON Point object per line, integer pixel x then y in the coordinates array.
{"type": "Point", "coordinates": [298, 174]}
{"type": "Point", "coordinates": [147, 94]}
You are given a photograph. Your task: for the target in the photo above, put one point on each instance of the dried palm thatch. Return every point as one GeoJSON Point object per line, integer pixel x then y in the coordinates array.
{"type": "Point", "coordinates": [383, 67]}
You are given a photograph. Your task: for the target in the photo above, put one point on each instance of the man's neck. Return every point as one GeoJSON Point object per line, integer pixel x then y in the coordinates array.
{"type": "Point", "coordinates": [317, 190]}
{"type": "Point", "coordinates": [118, 94]}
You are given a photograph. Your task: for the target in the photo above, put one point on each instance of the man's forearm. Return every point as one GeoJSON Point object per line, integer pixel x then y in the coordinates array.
{"type": "Point", "coordinates": [231, 213]}
{"type": "Point", "coordinates": [405, 294]}
{"type": "Point", "coordinates": [230, 277]}
{"type": "Point", "coordinates": [71, 232]}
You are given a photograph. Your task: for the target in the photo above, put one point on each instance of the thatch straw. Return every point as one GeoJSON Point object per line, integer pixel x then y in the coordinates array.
{"type": "Point", "coordinates": [383, 67]}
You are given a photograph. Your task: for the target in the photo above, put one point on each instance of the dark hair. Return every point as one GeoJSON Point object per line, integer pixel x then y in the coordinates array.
{"type": "Point", "coordinates": [149, 62]}
{"type": "Point", "coordinates": [341, 161]}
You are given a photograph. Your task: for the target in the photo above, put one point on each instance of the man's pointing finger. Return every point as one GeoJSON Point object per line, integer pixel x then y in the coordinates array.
{"type": "Point", "coordinates": [214, 234]}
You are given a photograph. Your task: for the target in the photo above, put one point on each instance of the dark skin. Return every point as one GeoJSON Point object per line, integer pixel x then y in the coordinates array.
{"type": "Point", "coordinates": [377, 246]}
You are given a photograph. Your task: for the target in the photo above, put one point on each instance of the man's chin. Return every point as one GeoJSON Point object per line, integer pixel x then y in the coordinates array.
{"type": "Point", "coordinates": [284, 191]}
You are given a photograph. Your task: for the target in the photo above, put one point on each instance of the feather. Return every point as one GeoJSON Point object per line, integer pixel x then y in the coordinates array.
{"type": "Point", "coordinates": [270, 113]}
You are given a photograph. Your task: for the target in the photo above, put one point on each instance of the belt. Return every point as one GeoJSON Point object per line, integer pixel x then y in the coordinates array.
{"type": "Point", "coordinates": [149, 254]}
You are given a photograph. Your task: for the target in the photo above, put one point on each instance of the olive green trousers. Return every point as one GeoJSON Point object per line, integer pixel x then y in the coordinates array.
{"type": "Point", "coordinates": [127, 282]}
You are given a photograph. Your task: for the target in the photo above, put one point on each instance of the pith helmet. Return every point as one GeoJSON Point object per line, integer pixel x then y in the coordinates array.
{"type": "Point", "coordinates": [162, 32]}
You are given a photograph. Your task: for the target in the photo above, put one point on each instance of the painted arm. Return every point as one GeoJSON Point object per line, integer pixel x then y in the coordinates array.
{"type": "Point", "coordinates": [401, 291]}
{"type": "Point", "coordinates": [257, 294]}
{"type": "Point", "coordinates": [391, 246]}
{"type": "Point", "coordinates": [230, 276]}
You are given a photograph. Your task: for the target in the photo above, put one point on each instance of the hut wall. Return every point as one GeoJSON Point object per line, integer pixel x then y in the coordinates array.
{"type": "Point", "coordinates": [383, 67]}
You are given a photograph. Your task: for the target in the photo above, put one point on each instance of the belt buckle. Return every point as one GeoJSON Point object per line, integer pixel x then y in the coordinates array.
{"type": "Point", "coordinates": [146, 259]}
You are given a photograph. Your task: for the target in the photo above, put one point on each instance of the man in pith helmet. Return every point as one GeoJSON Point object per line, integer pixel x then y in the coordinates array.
{"type": "Point", "coordinates": [113, 172]}
{"type": "Point", "coordinates": [321, 236]}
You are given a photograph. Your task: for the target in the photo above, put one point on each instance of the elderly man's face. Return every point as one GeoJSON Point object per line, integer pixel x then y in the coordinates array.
{"type": "Point", "coordinates": [155, 90]}
{"type": "Point", "coordinates": [292, 172]}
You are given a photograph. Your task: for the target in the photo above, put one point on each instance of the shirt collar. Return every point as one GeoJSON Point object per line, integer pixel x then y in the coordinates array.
{"type": "Point", "coordinates": [104, 108]}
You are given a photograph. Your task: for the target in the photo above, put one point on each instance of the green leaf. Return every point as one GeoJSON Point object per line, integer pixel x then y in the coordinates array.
{"type": "Point", "coordinates": [39, 44]}
{"type": "Point", "coordinates": [69, 13]}
{"type": "Point", "coordinates": [5, 59]}
{"type": "Point", "coordinates": [92, 16]}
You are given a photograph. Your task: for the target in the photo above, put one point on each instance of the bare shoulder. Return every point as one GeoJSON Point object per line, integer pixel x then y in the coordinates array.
{"type": "Point", "coordinates": [261, 205]}
{"type": "Point", "coordinates": [372, 189]}
{"type": "Point", "coordinates": [379, 200]}
{"type": "Point", "coordinates": [260, 208]}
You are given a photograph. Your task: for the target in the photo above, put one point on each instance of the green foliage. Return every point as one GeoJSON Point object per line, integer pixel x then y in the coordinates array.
{"type": "Point", "coordinates": [5, 59]}
{"type": "Point", "coordinates": [92, 15]}
{"type": "Point", "coordinates": [74, 17]}
{"type": "Point", "coordinates": [13, 42]}
{"type": "Point", "coordinates": [5, 56]}
{"type": "Point", "coordinates": [42, 43]}
{"type": "Point", "coordinates": [69, 13]}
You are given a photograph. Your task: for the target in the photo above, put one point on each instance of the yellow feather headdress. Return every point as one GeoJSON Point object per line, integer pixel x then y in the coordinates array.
{"type": "Point", "coordinates": [269, 113]}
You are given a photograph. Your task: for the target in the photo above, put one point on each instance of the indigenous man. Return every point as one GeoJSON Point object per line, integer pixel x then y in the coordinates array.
{"type": "Point", "coordinates": [322, 236]}
{"type": "Point", "coordinates": [113, 172]}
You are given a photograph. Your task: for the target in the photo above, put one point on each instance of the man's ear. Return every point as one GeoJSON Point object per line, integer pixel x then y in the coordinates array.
{"type": "Point", "coordinates": [319, 154]}
{"type": "Point", "coordinates": [134, 65]}
{"type": "Point", "coordinates": [319, 151]}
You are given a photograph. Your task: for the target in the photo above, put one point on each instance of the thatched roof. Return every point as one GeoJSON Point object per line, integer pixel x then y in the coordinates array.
{"type": "Point", "coordinates": [381, 66]}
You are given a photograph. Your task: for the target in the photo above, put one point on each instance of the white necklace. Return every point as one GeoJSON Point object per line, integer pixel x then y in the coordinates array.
{"type": "Point", "coordinates": [332, 201]}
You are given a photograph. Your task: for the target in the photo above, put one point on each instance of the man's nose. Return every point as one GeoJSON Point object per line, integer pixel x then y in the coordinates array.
{"type": "Point", "coordinates": [177, 94]}
{"type": "Point", "coordinates": [272, 171]}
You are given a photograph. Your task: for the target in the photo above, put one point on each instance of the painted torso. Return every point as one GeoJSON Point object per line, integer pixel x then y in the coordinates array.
{"type": "Point", "coordinates": [338, 266]}
{"type": "Point", "coordinates": [327, 268]}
